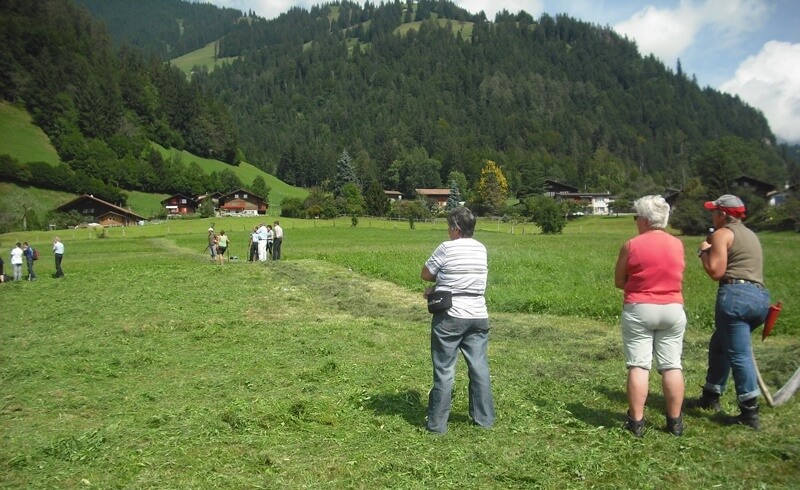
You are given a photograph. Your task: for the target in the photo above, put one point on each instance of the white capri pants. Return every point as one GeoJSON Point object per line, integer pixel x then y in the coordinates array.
{"type": "Point", "coordinates": [648, 329]}
{"type": "Point", "coordinates": [262, 250]}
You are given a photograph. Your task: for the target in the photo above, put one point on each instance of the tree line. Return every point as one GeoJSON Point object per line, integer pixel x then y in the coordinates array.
{"type": "Point", "coordinates": [165, 29]}
{"type": "Point", "coordinates": [102, 106]}
{"type": "Point", "coordinates": [552, 97]}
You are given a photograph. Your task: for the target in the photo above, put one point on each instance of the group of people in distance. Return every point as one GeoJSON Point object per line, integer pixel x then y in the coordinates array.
{"type": "Point", "coordinates": [24, 253]}
{"type": "Point", "coordinates": [649, 269]}
{"type": "Point", "coordinates": [265, 242]}
{"type": "Point", "coordinates": [217, 245]}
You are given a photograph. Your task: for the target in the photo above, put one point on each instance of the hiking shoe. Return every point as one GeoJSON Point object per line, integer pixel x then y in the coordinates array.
{"type": "Point", "coordinates": [675, 425]}
{"type": "Point", "coordinates": [635, 426]}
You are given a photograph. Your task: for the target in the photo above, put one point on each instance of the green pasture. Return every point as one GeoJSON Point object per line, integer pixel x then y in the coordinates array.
{"type": "Point", "coordinates": [245, 171]}
{"type": "Point", "coordinates": [26, 142]}
{"type": "Point", "coordinates": [22, 139]}
{"type": "Point", "coordinates": [465, 28]}
{"type": "Point", "coordinates": [201, 57]}
{"type": "Point", "coordinates": [149, 366]}
{"type": "Point", "coordinates": [14, 199]}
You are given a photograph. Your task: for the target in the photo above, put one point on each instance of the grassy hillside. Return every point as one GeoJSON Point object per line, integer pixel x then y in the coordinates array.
{"type": "Point", "coordinates": [464, 27]}
{"type": "Point", "coordinates": [22, 139]}
{"type": "Point", "coordinates": [14, 198]}
{"type": "Point", "coordinates": [203, 57]}
{"type": "Point", "coordinates": [246, 173]}
{"type": "Point", "coordinates": [145, 204]}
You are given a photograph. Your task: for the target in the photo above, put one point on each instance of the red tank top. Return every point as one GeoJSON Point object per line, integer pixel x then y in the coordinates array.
{"type": "Point", "coordinates": [655, 269]}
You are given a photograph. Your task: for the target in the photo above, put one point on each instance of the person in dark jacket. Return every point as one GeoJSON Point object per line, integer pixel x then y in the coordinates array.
{"type": "Point", "coordinates": [27, 251]}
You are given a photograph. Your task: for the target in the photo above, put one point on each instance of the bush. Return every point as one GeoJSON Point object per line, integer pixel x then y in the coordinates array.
{"type": "Point", "coordinates": [547, 213]}
{"type": "Point", "coordinates": [292, 207]}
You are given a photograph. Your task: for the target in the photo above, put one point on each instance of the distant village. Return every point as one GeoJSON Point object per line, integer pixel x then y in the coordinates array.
{"type": "Point", "coordinates": [242, 202]}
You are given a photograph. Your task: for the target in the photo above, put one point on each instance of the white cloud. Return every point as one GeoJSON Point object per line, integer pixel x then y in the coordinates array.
{"type": "Point", "coordinates": [770, 81]}
{"type": "Point", "coordinates": [269, 9]}
{"type": "Point", "coordinates": [668, 32]}
{"type": "Point", "coordinates": [734, 17]}
{"type": "Point", "coordinates": [533, 7]}
{"type": "Point", "coordinates": [665, 33]}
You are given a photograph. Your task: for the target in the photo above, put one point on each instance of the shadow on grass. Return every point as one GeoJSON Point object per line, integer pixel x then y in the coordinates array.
{"type": "Point", "coordinates": [596, 417]}
{"type": "Point", "coordinates": [407, 404]}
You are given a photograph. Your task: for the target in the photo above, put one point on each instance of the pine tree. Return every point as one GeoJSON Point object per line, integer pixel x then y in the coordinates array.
{"type": "Point", "coordinates": [345, 173]}
{"type": "Point", "coordinates": [376, 202]}
{"type": "Point", "coordinates": [454, 199]}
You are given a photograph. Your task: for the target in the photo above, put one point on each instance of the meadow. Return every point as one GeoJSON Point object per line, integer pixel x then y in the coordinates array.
{"type": "Point", "coordinates": [201, 57]}
{"type": "Point", "coordinates": [148, 366]}
{"type": "Point", "coordinates": [26, 142]}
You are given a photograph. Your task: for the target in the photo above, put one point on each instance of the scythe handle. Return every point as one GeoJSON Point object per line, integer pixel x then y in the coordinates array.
{"type": "Point", "coordinates": [761, 383]}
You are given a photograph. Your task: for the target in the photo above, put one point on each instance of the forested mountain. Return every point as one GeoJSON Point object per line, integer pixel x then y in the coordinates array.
{"type": "Point", "coordinates": [413, 91]}
{"type": "Point", "coordinates": [553, 97]}
{"type": "Point", "coordinates": [164, 28]}
{"type": "Point", "coordinates": [102, 107]}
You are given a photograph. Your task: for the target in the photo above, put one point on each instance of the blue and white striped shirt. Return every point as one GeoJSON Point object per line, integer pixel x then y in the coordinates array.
{"type": "Point", "coordinates": [461, 266]}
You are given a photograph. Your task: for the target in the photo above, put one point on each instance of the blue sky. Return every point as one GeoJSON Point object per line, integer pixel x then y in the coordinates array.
{"type": "Point", "coordinates": [749, 48]}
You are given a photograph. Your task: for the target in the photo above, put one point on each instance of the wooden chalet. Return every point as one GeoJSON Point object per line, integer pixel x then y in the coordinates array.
{"type": "Point", "coordinates": [779, 197]}
{"type": "Point", "coordinates": [756, 186]}
{"type": "Point", "coordinates": [214, 196]}
{"type": "Point", "coordinates": [553, 187]}
{"type": "Point", "coordinates": [242, 201]}
{"type": "Point", "coordinates": [99, 211]}
{"type": "Point", "coordinates": [393, 195]}
{"type": "Point", "coordinates": [438, 195]}
{"type": "Point", "coordinates": [180, 204]}
{"type": "Point", "coordinates": [592, 202]}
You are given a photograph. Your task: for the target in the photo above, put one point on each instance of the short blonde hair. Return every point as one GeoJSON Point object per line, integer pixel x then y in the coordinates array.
{"type": "Point", "coordinates": [654, 209]}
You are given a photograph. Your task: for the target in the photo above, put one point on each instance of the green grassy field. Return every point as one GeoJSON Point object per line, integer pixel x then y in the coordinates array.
{"type": "Point", "coordinates": [245, 171]}
{"type": "Point", "coordinates": [22, 139]}
{"type": "Point", "coordinates": [200, 57]}
{"type": "Point", "coordinates": [150, 367]}
{"type": "Point", "coordinates": [14, 199]}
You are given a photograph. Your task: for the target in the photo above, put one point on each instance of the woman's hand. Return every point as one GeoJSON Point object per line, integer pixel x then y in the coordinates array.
{"type": "Point", "coordinates": [428, 290]}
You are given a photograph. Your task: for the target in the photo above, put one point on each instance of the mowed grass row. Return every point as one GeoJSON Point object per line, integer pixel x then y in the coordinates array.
{"type": "Point", "coordinates": [567, 274]}
{"type": "Point", "coordinates": [150, 367]}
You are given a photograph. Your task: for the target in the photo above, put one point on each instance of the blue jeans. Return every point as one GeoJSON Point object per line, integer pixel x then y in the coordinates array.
{"type": "Point", "coordinates": [31, 273]}
{"type": "Point", "coordinates": [471, 337]}
{"type": "Point", "coordinates": [740, 309]}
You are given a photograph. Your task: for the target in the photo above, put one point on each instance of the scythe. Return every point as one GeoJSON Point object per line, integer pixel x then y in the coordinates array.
{"type": "Point", "coordinates": [791, 386]}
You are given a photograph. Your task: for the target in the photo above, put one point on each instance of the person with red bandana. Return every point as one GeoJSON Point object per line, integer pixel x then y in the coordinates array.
{"type": "Point", "coordinates": [732, 256]}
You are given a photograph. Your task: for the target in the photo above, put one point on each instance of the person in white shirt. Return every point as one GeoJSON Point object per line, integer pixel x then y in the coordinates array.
{"type": "Point", "coordinates": [278, 240]}
{"type": "Point", "coordinates": [16, 261]}
{"type": "Point", "coordinates": [58, 251]}
{"type": "Point", "coordinates": [252, 247]}
{"type": "Point", "coordinates": [460, 266]}
{"type": "Point", "coordinates": [262, 243]}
